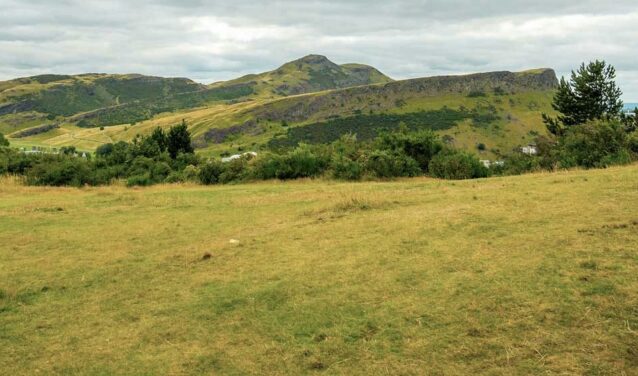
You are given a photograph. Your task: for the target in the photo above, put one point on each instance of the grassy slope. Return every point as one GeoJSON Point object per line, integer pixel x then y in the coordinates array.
{"type": "Point", "coordinates": [521, 275]}
{"type": "Point", "coordinates": [520, 114]}
{"type": "Point", "coordinates": [308, 74]}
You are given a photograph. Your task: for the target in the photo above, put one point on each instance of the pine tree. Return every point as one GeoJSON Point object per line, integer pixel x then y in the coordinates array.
{"type": "Point", "coordinates": [590, 94]}
{"type": "Point", "coordinates": [179, 140]}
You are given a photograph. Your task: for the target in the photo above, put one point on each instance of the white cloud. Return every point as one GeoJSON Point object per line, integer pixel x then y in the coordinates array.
{"type": "Point", "coordinates": [214, 40]}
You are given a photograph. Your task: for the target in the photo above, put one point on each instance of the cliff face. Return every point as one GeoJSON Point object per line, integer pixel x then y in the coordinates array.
{"type": "Point", "coordinates": [302, 108]}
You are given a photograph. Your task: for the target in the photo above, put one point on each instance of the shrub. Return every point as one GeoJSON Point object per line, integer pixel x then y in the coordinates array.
{"type": "Point", "coordinates": [457, 165]}
{"type": "Point", "coordinates": [519, 163]}
{"type": "Point", "coordinates": [3, 141]}
{"type": "Point", "coordinates": [420, 146]}
{"type": "Point", "coordinates": [346, 168]}
{"type": "Point", "coordinates": [234, 171]}
{"type": "Point", "coordinates": [104, 150]}
{"type": "Point", "coordinates": [345, 162]}
{"type": "Point", "coordinates": [632, 142]}
{"type": "Point", "coordinates": [60, 171]}
{"type": "Point", "coordinates": [385, 164]}
{"type": "Point", "coordinates": [210, 172]}
{"type": "Point", "coordinates": [301, 162]}
{"type": "Point", "coordinates": [595, 144]}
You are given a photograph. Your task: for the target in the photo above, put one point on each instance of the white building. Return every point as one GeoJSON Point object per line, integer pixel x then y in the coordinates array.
{"type": "Point", "coordinates": [237, 156]}
{"type": "Point", "coordinates": [529, 150]}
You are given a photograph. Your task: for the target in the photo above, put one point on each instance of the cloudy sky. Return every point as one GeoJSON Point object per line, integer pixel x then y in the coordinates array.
{"type": "Point", "coordinates": [211, 40]}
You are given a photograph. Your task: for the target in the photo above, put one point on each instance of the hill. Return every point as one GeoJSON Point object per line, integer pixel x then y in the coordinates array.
{"type": "Point", "coordinates": [37, 100]}
{"type": "Point", "coordinates": [102, 100]}
{"type": "Point", "coordinates": [532, 274]}
{"type": "Point", "coordinates": [500, 110]}
{"type": "Point", "coordinates": [307, 75]}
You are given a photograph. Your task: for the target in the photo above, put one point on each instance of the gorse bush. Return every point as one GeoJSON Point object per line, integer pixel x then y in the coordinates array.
{"type": "Point", "coordinates": [388, 164]}
{"type": "Point", "coordinates": [595, 144]}
{"type": "Point", "coordinates": [452, 164]}
{"type": "Point", "coordinates": [301, 162]}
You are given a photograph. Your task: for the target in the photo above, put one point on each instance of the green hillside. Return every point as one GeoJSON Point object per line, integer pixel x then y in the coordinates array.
{"type": "Point", "coordinates": [498, 110]}
{"type": "Point", "coordinates": [68, 95]}
{"type": "Point", "coordinates": [94, 100]}
{"type": "Point", "coordinates": [307, 75]}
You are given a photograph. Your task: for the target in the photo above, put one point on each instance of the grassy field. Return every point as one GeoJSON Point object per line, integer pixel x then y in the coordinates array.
{"type": "Point", "coordinates": [534, 274]}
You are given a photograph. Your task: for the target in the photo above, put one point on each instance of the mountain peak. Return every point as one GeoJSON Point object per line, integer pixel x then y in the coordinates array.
{"type": "Point", "coordinates": [314, 59]}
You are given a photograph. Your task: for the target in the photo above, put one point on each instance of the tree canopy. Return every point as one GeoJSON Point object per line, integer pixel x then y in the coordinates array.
{"type": "Point", "coordinates": [590, 94]}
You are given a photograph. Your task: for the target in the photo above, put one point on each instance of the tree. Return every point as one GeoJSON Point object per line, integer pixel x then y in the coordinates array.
{"type": "Point", "coordinates": [159, 137]}
{"type": "Point", "coordinates": [179, 140]}
{"type": "Point", "coordinates": [3, 141]}
{"type": "Point", "coordinates": [590, 94]}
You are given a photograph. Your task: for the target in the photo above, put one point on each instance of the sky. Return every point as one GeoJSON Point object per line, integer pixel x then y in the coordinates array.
{"type": "Point", "coordinates": [215, 40]}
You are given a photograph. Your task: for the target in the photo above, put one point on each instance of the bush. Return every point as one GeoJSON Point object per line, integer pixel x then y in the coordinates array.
{"type": "Point", "coordinates": [385, 164]}
{"type": "Point", "coordinates": [457, 165]}
{"type": "Point", "coordinates": [104, 150]}
{"type": "Point", "coordinates": [420, 146]}
{"type": "Point", "coordinates": [301, 162]}
{"type": "Point", "coordinates": [632, 143]}
{"type": "Point", "coordinates": [595, 144]}
{"type": "Point", "coordinates": [60, 171]}
{"type": "Point", "coordinates": [234, 171]}
{"type": "Point", "coordinates": [346, 168]}
{"type": "Point", "coordinates": [210, 172]}
{"type": "Point", "coordinates": [3, 141]}
{"type": "Point", "coordinates": [519, 163]}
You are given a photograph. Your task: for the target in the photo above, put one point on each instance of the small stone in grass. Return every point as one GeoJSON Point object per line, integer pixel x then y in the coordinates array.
{"type": "Point", "coordinates": [234, 241]}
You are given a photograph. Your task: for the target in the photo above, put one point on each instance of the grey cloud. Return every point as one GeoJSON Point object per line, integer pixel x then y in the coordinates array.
{"type": "Point", "coordinates": [215, 40]}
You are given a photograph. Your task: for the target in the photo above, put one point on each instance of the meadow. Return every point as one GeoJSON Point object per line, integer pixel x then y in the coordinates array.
{"type": "Point", "coordinates": [531, 274]}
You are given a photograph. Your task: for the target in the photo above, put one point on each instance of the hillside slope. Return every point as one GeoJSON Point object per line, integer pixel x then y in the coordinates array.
{"type": "Point", "coordinates": [101, 100]}
{"type": "Point", "coordinates": [523, 275]}
{"type": "Point", "coordinates": [59, 95]}
{"type": "Point", "coordinates": [309, 74]}
{"type": "Point", "coordinates": [500, 110]}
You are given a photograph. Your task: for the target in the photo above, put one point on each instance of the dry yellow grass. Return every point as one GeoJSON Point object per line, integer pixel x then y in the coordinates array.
{"type": "Point", "coordinates": [522, 275]}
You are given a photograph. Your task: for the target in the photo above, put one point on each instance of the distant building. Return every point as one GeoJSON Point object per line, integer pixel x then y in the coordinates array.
{"type": "Point", "coordinates": [529, 150]}
{"type": "Point", "coordinates": [489, 164]}
{"type": "Point", "coordinates": [237, 156]}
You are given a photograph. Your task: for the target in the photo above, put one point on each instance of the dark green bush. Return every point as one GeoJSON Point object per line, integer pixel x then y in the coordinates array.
{"type": "Point", "coordinates": [3, 141]}
{"type": "Point", "coordinates": [596, 144]}
{"type": "Point", "coordinates": [301, 162]}
{"type": "Point", "coordinates": [387, 164]}
{"type": "Point", "coordinates": [60, 171]}
{"type": "Point", "coordinates": [457, 165]}
{"type": "Point", "coordinates": [210, 172]}
{"type": "Point", "coordinates": [235, 171]}
{"type": "Point", "coordinates": [420, 146]}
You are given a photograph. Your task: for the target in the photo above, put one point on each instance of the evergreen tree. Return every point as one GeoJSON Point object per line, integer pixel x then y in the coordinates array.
{"type": "Point", "coordinates": [159, 137]}
{"type": "Point", "coordinates": [590, 94]}
{"type": "Point", "coordinates": [179, 140]}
